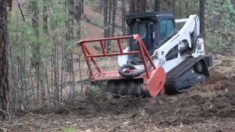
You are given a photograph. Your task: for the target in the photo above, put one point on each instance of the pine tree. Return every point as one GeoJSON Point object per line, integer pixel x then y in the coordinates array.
{"type": "Point", "coordinates": [4, 84]}
{"type": "Point", "coordinates": [36, 48]}
{"type": "Point", "coordinates": [202, 17]}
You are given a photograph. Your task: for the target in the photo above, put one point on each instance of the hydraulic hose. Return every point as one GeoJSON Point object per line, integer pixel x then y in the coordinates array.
{"type": "Point", "coordinates": [132, 71]}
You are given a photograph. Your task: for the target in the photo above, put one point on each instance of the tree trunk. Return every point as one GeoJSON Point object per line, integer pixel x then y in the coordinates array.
{"type": "Point", "coordinates": [4, 84]}
{"type": "Point", "coordinates": [202, 17]}
{"type": "Point", "coordinates": [70, 39]}
{"type": "Point", "coordinates": [168, 6]}
{"type": "Point", "coordinates": [78, 14]}
{"type": "Point", "coordinates": [123, 17]}
{"type": "Point", "coordinates": [45, 30]}
{"type": "Point", "coordinates": [70, 20]}
{"type": "Point", "coordinates": [109, 4]}
{"type": "Point", "coordinates": [114, 8]}
{"type": "Point", "coordinates": [70, 33]}
{"type": "Point", "coordinates": [45, 17]}
{"type": "Point", "coordinates": [141, 5]}
{"type": "Point", "coordinates": [110, 9]}
{"type": "Point", "coordinates": [102, 2]}
{"type": "Point", "coordinates": [105, 9]}
{"type": "Point", "coordinates": [36, 60]}
{"type": "Point", "coordinates": [157, 5]}
{"type": "Point", "coordinates": [137, 6]}
{"type": "Point", "coordinates": [174, 7]}
{"type": "Point", "coordinates": [132, 6]}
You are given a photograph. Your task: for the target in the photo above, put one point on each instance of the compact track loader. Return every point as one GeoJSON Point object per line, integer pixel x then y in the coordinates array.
{"type": "Point", "coordinates": [159, 58]}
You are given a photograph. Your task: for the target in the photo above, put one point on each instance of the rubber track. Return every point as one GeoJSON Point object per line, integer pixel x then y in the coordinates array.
{"type": "Point", "coordinates": [178, 71]}
{"type": "Point", "coordinates": [184, 66]}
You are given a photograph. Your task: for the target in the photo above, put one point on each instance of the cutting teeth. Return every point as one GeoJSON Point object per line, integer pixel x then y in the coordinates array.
{"type": "Point", "coordinates": [132, 88]}
{"type": "Point", "coordinates": [135, 89]}
{"type": "Point", "coordinates": [122, 89]}
{"type": "Point", "coordinates": [113, 88]}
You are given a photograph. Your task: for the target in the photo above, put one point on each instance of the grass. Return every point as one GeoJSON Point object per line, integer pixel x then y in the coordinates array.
{"type": "Point", "coordinates": [69, 130]}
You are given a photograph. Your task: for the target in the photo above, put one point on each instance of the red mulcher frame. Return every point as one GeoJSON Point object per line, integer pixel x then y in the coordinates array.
{"type": "Point", "coordinates": [154, 79]}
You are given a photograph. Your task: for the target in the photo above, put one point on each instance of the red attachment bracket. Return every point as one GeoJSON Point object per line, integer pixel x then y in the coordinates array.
{"type": "Point", "coordinates": [104, 75]}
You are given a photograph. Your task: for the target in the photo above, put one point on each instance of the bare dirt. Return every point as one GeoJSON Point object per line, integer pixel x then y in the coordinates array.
{"type": "Point", "coordinates": [207, 107]}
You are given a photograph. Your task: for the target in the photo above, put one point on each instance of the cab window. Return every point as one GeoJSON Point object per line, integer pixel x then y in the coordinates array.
{"type": "Point", "coordinates": [167, 29]}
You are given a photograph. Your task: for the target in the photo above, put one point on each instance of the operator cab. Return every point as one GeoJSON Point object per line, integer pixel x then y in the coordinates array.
{"type": "Point", "coordinates": [155, 29]}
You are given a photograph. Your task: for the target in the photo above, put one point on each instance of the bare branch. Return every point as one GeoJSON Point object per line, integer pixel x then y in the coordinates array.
{"type": "Point", "coordinates": [21, 11]}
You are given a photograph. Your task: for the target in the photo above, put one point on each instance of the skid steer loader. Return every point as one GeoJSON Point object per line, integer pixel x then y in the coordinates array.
{"type": "Point", "coordinates": [159, 58]}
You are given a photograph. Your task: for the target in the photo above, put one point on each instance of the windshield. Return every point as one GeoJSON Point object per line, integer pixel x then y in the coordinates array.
{"type": "Point", "coordinates": [140, 28]}
{"type": "Point", "coordinates": [167, 29]}
{"type": "Point", "coordinates": [146, 29]}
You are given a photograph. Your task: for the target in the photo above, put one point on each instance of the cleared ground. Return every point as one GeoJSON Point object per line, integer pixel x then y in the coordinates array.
{"type": "Point", "coordinates": [207, 107]}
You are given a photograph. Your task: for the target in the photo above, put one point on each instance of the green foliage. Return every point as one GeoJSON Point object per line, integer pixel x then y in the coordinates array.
{"type": "Point", "coordinates": [184, 8]}
{"type": "Point", "coordinates": [26, 46]}
{"type": "Point", "coordinates": [220, 26]}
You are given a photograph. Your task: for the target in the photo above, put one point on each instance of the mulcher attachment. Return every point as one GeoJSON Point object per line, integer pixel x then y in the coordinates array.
{"type": "Point", "coordinates": [139, 87]}
{"type": "Point", "coordinates": [147, 82]}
